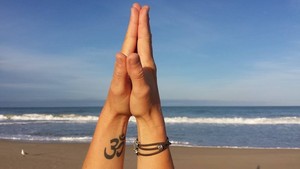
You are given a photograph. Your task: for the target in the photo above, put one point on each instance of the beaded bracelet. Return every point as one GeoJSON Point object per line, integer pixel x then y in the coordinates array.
{"type": "Point", "coordinates": [159, 147]}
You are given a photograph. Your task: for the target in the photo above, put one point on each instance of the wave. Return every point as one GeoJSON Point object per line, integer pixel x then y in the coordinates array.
{"type": "Point", "coordinates": [74, 118]}
{"type": "Point", "coordinates": [73, 139]}
{"type": "Point", "coordinates": [235, 120]}
{"type": "Point", "coordinates": [49, 117]}
{"type": "Point", "coordinates": [129, 141]}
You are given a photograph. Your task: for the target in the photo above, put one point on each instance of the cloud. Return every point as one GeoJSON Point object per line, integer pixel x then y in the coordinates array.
{"type": "Point", "coordinates": [271, 82]}
{"type": "Point", "coordinates": [33, 76]}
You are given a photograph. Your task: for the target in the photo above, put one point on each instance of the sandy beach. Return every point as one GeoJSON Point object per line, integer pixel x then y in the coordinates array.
{"type": "Point", "coordinates": [71, 156]}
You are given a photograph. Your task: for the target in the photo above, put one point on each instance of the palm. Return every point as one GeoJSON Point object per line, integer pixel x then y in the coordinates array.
{"type": "Point", "coordinates": [144, 96]}
{"type": "Point", "coordinates": [120, 89]}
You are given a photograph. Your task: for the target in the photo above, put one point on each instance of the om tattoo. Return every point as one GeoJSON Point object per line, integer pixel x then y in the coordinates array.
{"type": "Point", "coordinates": [117, 146]}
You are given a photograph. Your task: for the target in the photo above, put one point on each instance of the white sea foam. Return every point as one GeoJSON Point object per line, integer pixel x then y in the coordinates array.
{"type": "Point", "coordinates": [49, 117]}
{"type": "Point", "coordinates": [245, 147]}
{"type": "Point", "coordinates": [234, 120]}
{"type": "Point", "coordinates": [180, 143]}
{"type": "Point", "coordinates": [73, 118]}
{"type": "Point", "coordinates": [3, 117]}
{"type": "Point", "coordinates": [75, 139]}
{"type": "Point", "coordinates": [79, 139]}
{"type": "Point", "coordinates": [129, 141]}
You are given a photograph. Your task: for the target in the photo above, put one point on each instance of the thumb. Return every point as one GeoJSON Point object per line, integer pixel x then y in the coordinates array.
{"type": "Point", "coordinates": [135, 70]}
{"type": "Point", "coordinates": [120, 78]}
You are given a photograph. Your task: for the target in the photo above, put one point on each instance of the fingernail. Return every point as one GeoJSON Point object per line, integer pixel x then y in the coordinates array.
{"type": "Point", "coordinates": [147, 7]}
{"type": "Point", "coordinates": [133, 5]}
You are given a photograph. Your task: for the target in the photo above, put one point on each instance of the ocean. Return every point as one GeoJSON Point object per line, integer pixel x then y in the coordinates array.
{"type": "Point", "coordinates": [236, 127]}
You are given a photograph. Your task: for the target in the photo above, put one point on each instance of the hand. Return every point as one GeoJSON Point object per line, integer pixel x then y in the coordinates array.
{"type": "Point", "coordinates": [144, 98]}
{"type": "Point", "coordinates": [133, 91]}
{"type": "Point", "coordinates": [120, 89]}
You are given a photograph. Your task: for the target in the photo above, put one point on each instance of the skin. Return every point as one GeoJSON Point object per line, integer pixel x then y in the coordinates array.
{"type": "Point", "coordinates": [133, 91]}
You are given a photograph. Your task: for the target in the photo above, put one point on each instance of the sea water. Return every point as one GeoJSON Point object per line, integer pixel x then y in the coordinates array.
{"type": "Point", "coordinates": [255, 127]}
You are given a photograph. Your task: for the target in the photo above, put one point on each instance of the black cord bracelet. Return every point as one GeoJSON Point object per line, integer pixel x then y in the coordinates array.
{"type": "Point", "coordinates": [160, 147]}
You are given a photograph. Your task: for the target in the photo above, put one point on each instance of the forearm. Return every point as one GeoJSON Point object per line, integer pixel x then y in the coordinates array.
{"type": "Point", "coordinates": [151, 129]}
{"type": "Point", "coordinates": [107, 148]}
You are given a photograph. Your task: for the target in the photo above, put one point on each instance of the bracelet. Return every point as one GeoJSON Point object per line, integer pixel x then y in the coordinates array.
{"type": "Point", "coordinates": [156, 147]}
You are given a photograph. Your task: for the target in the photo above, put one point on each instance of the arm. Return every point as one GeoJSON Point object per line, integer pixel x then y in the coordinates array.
{"type": "Point", "coordinates": [144, 99]}
{"type": "Point", "coordinates": [108, 144]}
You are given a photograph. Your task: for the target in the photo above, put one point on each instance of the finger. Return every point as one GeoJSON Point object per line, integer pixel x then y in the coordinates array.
{"type": "Point", "coordinates": [137, 6]}
{"type": "Point", "coordinates": [144, 39]}
{"type": "Point", "coordinates": [129, 44]}
{"type": "Point", "coordinates": [135, 71]}
{"type": "Point", "coordinates": [120, 77]}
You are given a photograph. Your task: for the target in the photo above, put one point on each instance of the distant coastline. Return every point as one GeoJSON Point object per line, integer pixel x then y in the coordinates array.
{"type": "Point", "coordinates": [165, 103]}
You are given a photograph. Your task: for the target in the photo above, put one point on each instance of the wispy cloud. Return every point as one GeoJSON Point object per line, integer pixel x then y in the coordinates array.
{"type": "Point", "coordinates": [31, 76]}
{"type": "Point", "coordinates": [273, 83]}
{"type": "Point", "coordinates": [204, 50]}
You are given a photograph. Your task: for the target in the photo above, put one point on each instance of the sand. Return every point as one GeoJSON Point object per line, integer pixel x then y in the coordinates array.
{"type": "Point", "coordinates": [71, 156]}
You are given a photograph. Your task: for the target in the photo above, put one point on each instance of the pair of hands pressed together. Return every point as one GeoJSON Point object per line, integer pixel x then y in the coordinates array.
{"type": "Point", "coordinates": [133, 89]}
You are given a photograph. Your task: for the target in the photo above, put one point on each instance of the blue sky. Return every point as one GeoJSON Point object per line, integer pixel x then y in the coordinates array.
{"type": "Point", "coordinates": [213, 52]}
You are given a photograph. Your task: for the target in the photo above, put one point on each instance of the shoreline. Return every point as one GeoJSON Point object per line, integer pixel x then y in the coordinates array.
{"type": "Point", "coordinates": [71, 155]}
{"type": "Point", "coordinates": [129, 143]}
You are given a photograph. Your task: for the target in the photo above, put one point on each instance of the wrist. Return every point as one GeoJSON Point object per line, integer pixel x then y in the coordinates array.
{"type": "Point", "coordinates": [150, 115]}
{"type": "Point", "coordinates": [113, 120]}
{"type": "Point", "coordinates": [152, 120]}
{"type": "Point", "coordinates": [110, 117]}
{"type": "Point", "coordinates": [151, 127]}
{"type": "Point", "coordinates": [109, 110]}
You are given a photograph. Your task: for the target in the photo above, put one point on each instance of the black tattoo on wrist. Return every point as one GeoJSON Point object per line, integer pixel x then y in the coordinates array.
{"type": "Point", "coordinates": [117, 147]}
